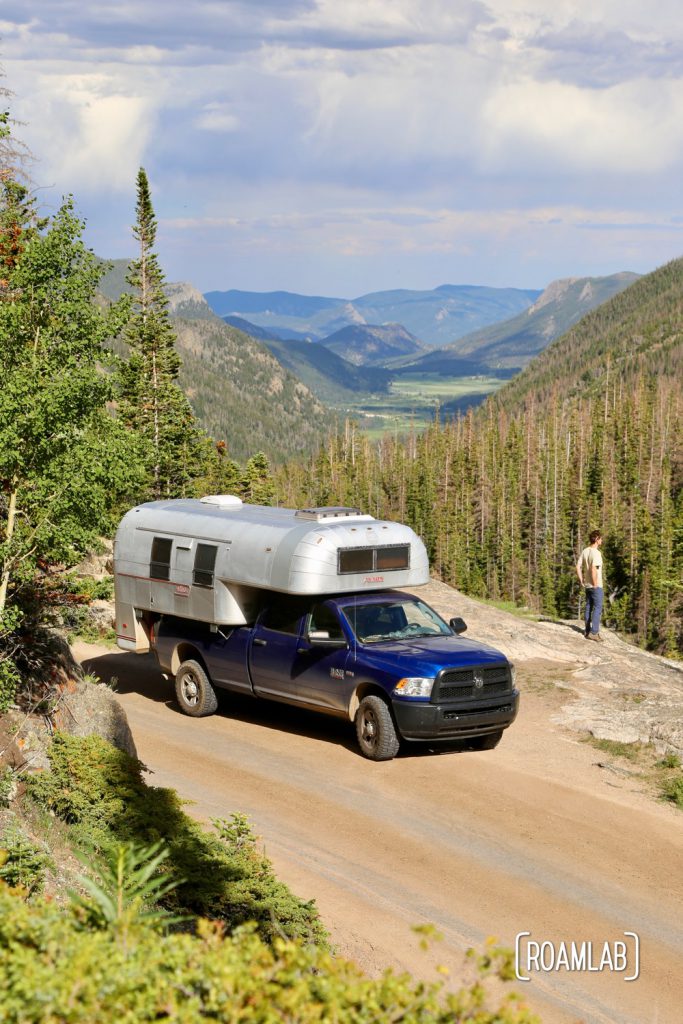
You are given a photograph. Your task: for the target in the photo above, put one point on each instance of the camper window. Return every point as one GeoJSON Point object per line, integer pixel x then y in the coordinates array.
{"type": "Point", "coordinates": [204, 565]}
{"type": "Point", "coordinates": [356, 560]}
{"type": "Point", "coordinates": [394, 556]}
{"type": "Point", "coordinates": [160, 562]}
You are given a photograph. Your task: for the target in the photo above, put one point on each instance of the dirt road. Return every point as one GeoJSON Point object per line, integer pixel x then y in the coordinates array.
{"type": "Point", "coordinates": [530, 837]}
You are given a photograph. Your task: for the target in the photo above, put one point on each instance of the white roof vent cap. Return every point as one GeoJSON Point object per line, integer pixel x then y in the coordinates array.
{"type": "Point", "coordinates": [222, 500]}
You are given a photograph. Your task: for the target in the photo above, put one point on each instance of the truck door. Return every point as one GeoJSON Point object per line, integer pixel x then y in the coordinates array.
{"type": "Point", "coordinates": [273, 656]}
{"type": "Point", "coordinates": [325, 675]}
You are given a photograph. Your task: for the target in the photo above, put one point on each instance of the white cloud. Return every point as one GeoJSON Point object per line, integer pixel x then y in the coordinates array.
{"type": "Point", "coordinates": [636, 128]}
{"type": "Point", "coordinates": [431, 131]}
{"type": "Point", "coordinates": [93, 130]}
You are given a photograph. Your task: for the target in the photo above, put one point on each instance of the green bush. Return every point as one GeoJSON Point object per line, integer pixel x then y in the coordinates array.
{"type": "Point", "coordinates": [52, 970]}
{"type": "Point", "coordinates": [22, 863]}
{"type": "Point", "coordinates": [9, 683]}
{"type": "Point", "coordinates": [100, 790]}
{"type": "Point", "coordinates": [7, 784]}
{"type": "Point", "coordinates": [672, 790]}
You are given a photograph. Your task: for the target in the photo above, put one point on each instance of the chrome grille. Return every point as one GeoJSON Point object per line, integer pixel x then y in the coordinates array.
{"type": "Point", "coordinates": [461, 683]}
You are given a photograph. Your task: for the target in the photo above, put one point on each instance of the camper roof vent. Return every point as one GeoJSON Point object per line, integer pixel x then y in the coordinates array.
{"type": "Point", "coordinates": [222, 500]}
{"type": "Point", "coordinates": [321, 515]}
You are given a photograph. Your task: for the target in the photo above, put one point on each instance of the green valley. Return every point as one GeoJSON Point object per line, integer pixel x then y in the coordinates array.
{"type": "Point", "coordinates": [413, 400]}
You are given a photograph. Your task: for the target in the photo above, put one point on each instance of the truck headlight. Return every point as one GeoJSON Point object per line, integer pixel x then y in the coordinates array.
{"type": "Point", "coordinates": [414, 686]}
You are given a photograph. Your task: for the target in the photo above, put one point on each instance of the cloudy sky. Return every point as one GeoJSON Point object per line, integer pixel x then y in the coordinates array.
{"type": "Point", "coordinates": [338, 147]}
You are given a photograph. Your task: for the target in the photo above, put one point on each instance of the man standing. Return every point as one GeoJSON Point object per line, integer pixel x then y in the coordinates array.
{"type": "Point", "coordinates": [589, 571]}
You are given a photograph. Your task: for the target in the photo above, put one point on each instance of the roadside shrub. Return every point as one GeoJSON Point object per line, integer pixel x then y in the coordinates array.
{"type": "Point", "coordinates": [124, 888]}
{"type": "Point", "coordinates": [22, 863]}
{"type": "Point", "coordinates": [100, 791]}
{"type": "Point", "coordinates": [9, 684]}
{"type": "Point", "coordinates": [672, 790]}
{"type": "Point", "coordinates": [52, 970]}
{"type": "Point", "coordinates": [8, 784]}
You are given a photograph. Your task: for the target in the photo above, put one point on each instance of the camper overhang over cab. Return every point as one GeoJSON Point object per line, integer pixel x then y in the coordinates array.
{"type": "Point", "coordinates": [209, 559]}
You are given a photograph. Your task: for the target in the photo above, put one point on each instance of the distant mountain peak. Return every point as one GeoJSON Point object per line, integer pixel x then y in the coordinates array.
{"type": "Point", "coordinates": [556, 290]}
{"type": "Point", "coordinates": [185, 301]}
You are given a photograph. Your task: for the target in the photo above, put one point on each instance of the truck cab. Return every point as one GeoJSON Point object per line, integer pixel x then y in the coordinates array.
{"type": "Point", "coordinates": [385, 661]}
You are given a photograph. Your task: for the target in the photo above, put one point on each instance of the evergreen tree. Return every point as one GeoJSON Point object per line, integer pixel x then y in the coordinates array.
{"type": "Point", "coordinates": [64, 461]}
{"type": "Point", "coordinates": [257, 486]}
{"type": "Point", "coordinates": [150, 400]}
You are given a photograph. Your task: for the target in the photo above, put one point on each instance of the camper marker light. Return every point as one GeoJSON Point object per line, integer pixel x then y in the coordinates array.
{"type": "Point", "coordinates": [414, 686]}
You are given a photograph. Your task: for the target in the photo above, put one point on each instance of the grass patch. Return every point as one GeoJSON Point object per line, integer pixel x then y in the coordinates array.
{"type": "Point", "coordinates": [522, 611]}
{"type": "Point", "coordinates": [630, 751]}
{"type": "Point", "coordinates": [549, 678]}
{"type": "Point", "coordinates": [664, 774]}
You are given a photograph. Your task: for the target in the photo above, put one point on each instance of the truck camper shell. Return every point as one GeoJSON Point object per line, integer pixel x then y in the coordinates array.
{"type": "Point", "coordinates": [210, 559]}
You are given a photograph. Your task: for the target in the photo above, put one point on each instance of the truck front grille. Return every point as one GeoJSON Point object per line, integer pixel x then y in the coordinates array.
{"type": "Point", "coordinates": [476, 682]}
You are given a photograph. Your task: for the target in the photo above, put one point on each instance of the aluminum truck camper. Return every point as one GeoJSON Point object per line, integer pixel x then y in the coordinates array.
{"type": "Point", "coordinates": [305, 607]}
{"type": "Point", "coordinates": [210, 560]}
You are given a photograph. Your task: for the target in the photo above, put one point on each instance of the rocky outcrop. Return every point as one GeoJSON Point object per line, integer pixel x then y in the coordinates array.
{"type": "Point", "coordinates": [77, 704]}
{"type": "Point", "coordinates": [614, 691]}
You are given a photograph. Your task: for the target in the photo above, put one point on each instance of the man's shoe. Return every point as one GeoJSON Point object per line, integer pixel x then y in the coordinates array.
{"type": "Point", "coordinates": [596, 637]}
{"type": "Point", "coordinates": [587, 633]}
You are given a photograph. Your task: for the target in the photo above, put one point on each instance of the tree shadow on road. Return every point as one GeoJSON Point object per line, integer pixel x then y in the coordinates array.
{"type": "Point", "coordinates": [139, 673]}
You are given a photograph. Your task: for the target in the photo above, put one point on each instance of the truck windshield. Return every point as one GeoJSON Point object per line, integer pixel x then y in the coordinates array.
{"type": "Point", "coordinates": [394, 620]}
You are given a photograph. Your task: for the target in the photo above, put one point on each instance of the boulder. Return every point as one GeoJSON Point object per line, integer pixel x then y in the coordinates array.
{"type": "Point", "coordinates": [76, 704]}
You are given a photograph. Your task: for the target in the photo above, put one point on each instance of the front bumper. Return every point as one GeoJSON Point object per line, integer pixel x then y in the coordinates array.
{"type": "Point", "coordinates": [417, 720]}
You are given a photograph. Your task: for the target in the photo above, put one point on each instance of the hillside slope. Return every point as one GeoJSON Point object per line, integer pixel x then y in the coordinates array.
{"type": "Point", "coordinates": [636, 334]}
{"type": "Point", "coordinates": [241, 394]}
{"type": "Point", "coordinates": [239, 391]}
{"type": "Point", "coordinates": [514, 342]}
{"type": "Point", "coordinates": [328, 375]}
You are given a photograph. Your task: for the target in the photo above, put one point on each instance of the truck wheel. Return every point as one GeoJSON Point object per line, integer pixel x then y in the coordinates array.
{"type": "Point", "coordinates": [193, 690]}
{"type": "Point", "coordinates": [488, 742]}
{"type": "Point", "coordinates": [375, 730]}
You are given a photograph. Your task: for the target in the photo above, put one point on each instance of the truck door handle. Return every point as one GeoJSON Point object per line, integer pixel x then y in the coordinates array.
{"type": "Point", "coordinates": [260, 643]}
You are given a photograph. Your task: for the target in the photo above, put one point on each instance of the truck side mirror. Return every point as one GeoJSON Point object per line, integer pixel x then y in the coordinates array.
{"type": "Point", "coordinates": [322, 638]}
{"type": "Point", "coordinates": [458, 625]}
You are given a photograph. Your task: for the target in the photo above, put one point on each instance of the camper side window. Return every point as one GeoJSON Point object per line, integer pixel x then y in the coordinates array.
{"type": "Point", "coordinates": [204, 565]}
{"type": "Point", "coordinates": [160, 562]}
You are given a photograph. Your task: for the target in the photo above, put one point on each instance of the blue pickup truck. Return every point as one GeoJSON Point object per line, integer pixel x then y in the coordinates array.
{"type": "Point", "coordinates": [385, 661]}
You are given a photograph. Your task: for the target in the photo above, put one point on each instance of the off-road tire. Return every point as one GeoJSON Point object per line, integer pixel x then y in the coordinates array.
{"type": "Point", "coordinates": [375, 729]}
{"type": "Point", "coordinates": [194, 692]}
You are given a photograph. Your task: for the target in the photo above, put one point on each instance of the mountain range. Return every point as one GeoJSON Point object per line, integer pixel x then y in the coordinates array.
{"type": "Point", "coordinates": [435, 317]}
{"type": "Point", "coordinates": [260, 391]}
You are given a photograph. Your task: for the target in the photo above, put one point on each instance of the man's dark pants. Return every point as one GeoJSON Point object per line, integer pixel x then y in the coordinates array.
{"type": "Point", "coordinates": [594, 597]}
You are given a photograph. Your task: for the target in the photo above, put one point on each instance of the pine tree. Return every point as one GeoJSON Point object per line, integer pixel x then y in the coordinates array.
{"type": "Point", "coordinates": [257, 485]}
{"type": "Point", "coordinates": [150, 400]}
{"type": "Point", "coordinates": [64, 460]}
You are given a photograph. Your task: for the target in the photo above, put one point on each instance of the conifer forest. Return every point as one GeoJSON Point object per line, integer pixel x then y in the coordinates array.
{"type": "Point", "coordinates": [589, 436]}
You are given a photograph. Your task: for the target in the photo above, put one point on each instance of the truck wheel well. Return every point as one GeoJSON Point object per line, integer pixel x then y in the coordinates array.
{"type": "Point", "coordinates": [186, 652]}
{"type": "Point", "coordinates": [364, 690]}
